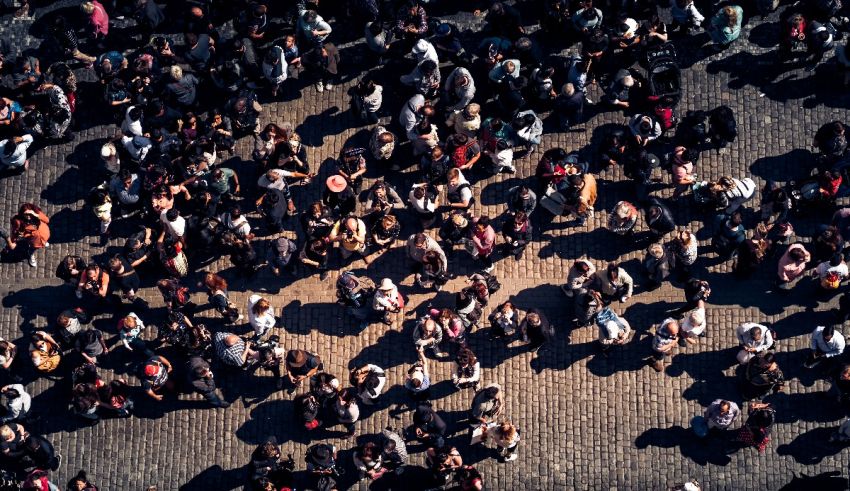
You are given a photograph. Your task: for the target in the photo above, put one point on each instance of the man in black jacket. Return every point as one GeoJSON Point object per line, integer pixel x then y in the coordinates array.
{"type": "Point", "coordinates": [200, 377]}
{"type": "Point", "coordinates": [659, 219]}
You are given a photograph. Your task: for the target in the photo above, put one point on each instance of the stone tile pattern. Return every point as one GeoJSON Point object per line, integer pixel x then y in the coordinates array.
{"type": "Point", "coordinates": [587, 422]}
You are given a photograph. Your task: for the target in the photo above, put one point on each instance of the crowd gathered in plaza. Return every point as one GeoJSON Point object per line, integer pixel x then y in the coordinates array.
{"type": "Point", "coordinates": [470, 106]}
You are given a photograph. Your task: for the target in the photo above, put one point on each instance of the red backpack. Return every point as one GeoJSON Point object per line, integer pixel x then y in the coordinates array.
{"type": "Point", "coordinates": [459, 158]}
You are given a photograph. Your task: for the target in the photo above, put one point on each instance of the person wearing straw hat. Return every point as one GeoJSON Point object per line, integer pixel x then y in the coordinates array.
{"type": "Point", "coordinates": [339, 196]}
{"type": "Point", "coordinates": [387, 300]}
{"type": "Point", "coordinates": [623, 218]}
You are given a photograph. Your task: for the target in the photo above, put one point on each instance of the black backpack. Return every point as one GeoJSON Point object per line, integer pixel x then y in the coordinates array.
{"type": "Point", "coordinates": [722, 125]}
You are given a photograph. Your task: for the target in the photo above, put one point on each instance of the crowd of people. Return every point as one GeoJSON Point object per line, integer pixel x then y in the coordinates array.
{"type": "Point", "coordinates": [471, 105]}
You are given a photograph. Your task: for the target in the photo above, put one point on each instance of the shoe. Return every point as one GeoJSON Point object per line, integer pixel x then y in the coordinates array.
{"type": "Point", "coordinates": [488, 268]}
{"type": "Point", "coordinates": [507, 170]}
{"type": "Point", "coordinates": [329, 86]}
{"type": "Point", "coordinates": [32, 261]}
{"type": "Point", "coordinates": [57, 463]}
{"type": "Point", "coordinates": [320, 86]}
{"type": "Point", "coordinates": [324, 275]}
{"type": "Point", "coordinates": [511, 458]}
{"type": "Point", "coordinates": [240, 317]}
{"type": "Point", "coordinates": [658, 366]}
{"type": "Point", "coordinates": [223, 404]}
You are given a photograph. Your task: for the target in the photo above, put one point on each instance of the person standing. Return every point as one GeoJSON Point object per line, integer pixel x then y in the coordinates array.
{"type": "Point", "coordinates": [721, 414]}
{"type": "Point", "coordinates": [792, 266]}
{"type": "Point", "coordinates": [200, 378]}
{"type": "Point", "coordinates": [826, 345]}
{"type": "Point", "coordinates": [29, 227]}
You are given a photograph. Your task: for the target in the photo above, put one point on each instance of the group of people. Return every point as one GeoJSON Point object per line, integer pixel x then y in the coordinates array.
{"type": "Point", "coordinates": [469, 110]}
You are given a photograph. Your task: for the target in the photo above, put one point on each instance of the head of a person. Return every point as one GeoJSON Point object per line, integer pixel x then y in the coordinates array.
{"type": "Point", "coordinates": [736, 219]}
{"type": "Point", "coordinates": [482, 223]}
{"type": "Point", "coordinates": [115, 264]}
{"type": "Point", "coordinates": [172, 215]}
{"type": "Point", "coordinates": [725, 407]}
{"type": "Point", "coordinates": [261, 306]}
{"type": "Point", "coordinates": [797, 254]}
{"type": "Point", "coordinates": [828, 333]}
{"type": "Point", "coordinates": [673, 327]}
{"type": "Point", "coordinates": [351, 224]}
{"type": "Point", "coordinates": [581, 266]}
{"type": "Point", "coordinates": [731, 15]}
{"type": "Point", "coordinates": [176, 73]}
{"type": "Point", "coordinates": [92, 272]}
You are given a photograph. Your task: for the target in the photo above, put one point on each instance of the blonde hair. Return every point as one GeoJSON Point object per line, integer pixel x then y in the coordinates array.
{"type": "Point", "coordinates": [7, 432]}
{"type": "Point", "coordinates": [87, 7]}
{"type": "Point", "coordinates": [130, 321]}
{"type": "Point", "coordinates": [176, 72]}
{"type": "Point", "coordinates": [731, 15]}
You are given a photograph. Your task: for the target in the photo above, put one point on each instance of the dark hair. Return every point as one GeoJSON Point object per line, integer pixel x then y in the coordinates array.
{"type": "Point", "coordinates": [376, 28]}
{"type": "Point", "coordinates": [428, 66]}
{"type": "Point", "coordinates": [828, 331]}
{"type": "Point", "coordinates": [172, 214]}
{"type": "Point", "coordinates": [797, 254]}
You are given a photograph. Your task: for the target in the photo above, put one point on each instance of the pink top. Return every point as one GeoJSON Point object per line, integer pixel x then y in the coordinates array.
{"type": "Point", "coordinates": [790, 270]}
{"type": "Point", "coordinates": [681, 172]}
{"type": "Point", "coordinates": [485, 240]}
{"type": "Point", "coordinates": [99, 20]}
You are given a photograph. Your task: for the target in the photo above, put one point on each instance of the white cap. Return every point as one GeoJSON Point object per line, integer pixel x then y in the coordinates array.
{"type": "Point", "coordinates": [421, 46]}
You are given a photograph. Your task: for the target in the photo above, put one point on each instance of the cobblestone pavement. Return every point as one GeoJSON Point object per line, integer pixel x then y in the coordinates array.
{"type": "Point", "coordinates": [587, 422]}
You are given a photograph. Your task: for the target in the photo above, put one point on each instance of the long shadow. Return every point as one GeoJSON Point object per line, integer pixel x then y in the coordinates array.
{"type": "Point", "coordinates": [809, 406]}
{"type": "Point", "coordinates": [595, 244]}
{"type": "Point", "coordinates": [385, 353]}
{"type": "Point", "coordinates": [702, 451]}
{"type": "Point", "coordinates": [812, 446]}
{"type": "Point", "coordinates": [264, 421]}
{"type": "Point", "coordinates": [214, 477]}
{"type": "Point", "coordinates": [782, 168]}
{"type": "Point", "coordinates": [825, 481]}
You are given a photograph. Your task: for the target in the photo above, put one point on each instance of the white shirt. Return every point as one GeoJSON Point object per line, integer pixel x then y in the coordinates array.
{"type": "Point", "coordinates": [263, 322]}
{"type": "Point", "coordinates": [130, 126]}
{"type": "Point", "coordinates": [834, 347]}
{"type": "Point", "coordinates": [745, 339]}
{"type": "Point", "coordinates": [175, 229]}
{"type": "Point", "coordinates": [19, 156]}
{"type": "Point", "coordinates": [19, 406]}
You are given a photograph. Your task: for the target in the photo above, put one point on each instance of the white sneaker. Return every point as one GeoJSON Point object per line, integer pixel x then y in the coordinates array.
{"type": "Point", "coordinates": [511, 457]}
{"type": "Point", "coordinates": [320, 86]}
{"type": "Point", "coordinates": [240, 317]}
{"type": "Point", "coordinates": [32, 261]}
{"type": "Point", "coordinates": [329, 86]}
